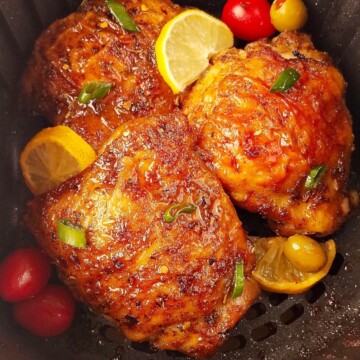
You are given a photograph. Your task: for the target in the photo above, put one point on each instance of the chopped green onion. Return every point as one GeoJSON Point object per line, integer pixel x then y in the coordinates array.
{"type": "Point", "coordinates": [71, 234]}
{"type": "Point", "coordinates": [285, 81]}
{"type": "Point", "coordinates": [178, 209]}
{"type": "Point", "coordinates": [94, 90]}
{"type": "Point", "coordinates": [121, 16]}
{"type": "Point", "coordinates": [315, 176]}
{"type": "Point", "coordinates": [239, 280]}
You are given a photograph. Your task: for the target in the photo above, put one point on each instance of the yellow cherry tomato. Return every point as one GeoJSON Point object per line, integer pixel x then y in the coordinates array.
{"type": "Point", "coordinates": [304, 253]}
{"type": "Point", "coordinates": [288, 14]}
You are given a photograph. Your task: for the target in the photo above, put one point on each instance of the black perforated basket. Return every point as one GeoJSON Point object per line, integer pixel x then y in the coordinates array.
{"type": "Point", "coordinates": [323, 323]}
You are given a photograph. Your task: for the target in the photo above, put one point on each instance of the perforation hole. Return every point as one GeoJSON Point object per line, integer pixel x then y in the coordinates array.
{"type": "Point", "coordinates": [175, 354]}
{"type": "Point", "coordinates": [291, 314]}
{"type": "Point", "coordinates": [144, 347]}
{"type": "Point", "coordinates": [111, 334]}
{"type": "Point", "coordinates": [315, 293]}
{"type": "Point", "coordinates": [337, 264]}
{"type": "Point", "coordinates": [263, 332]}
{"type": "Point", "coordinates": [255, 311]}
{"type": "Point", "coordinates": [277, 299]}
{"type": "Point", "coordinates": [233, 343]}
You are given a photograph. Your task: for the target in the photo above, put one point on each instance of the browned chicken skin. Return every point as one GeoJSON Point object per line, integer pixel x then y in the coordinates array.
{"type": "Point", "coordinates": [89, 45]}
{"type": "Point", "coordinates": [167, 283]}
{"type": "Point", "coordinates": [170, 284]}
{"type": "Point", "coordinates": [263, 145]}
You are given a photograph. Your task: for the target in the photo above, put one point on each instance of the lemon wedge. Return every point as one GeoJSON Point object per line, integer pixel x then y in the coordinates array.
{"type": "Point", "coordinates": [52, 156]}
{"type": "Point", "coordinates": [275, 272]}
{"type": "Point", "coordinates": [185, 45]}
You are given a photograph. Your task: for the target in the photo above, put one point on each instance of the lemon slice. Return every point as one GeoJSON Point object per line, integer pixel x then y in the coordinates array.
{"type": "Point", "coordinates": [52, 156]}
{"type": "Point", "coordinates": [185, 45]}
{"type": "Point", "coordinates": [276, 273]}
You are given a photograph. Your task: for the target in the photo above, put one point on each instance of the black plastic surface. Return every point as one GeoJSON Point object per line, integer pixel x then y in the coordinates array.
{"type": "Point", "coordinates": [324, 323]}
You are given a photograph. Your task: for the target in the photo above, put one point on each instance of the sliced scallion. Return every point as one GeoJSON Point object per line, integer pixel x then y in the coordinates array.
{"type": "Point", "coordinates": [94, 90]}
{"type": "Point", "coordinates": [239, 280]}
{"type": "Point", "coordinates": [173, 211]}
{"type": "Point", "coordinates": [285, 81]}
{"type": "Point", "coordinates": [314, 177]}
{"type": "Point", "coordinates": [71, 234]}
{"type": "Point", "coordinates": [121, 16]}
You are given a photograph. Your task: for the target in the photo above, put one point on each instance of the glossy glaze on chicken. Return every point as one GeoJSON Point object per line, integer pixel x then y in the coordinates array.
{"type": "Point", "coordinates": [263, 145]}
{"type": "Point", "coordinates": [170, 283]}
{"type": "Point", "coordinates": [89, 45]}
{"type": "Point", "coordinates": [167, 283]}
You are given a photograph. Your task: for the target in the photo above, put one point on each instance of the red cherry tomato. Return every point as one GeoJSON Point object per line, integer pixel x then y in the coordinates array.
{"type": "Point", "coordinates": [48, 313]}
{"type": "Point", "coordinates": [248, 19]}
{"type": "Point", "coordinates": [23, 273]}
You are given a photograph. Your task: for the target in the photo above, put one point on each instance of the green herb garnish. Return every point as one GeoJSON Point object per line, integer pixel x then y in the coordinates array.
{"type": "Point", "coordinates": [94, 90]}
{"type": "Point", "coordinates": [71, 234]}
{"type": "Point", "coordinates": [315, 176]}
{"type": "Point", "coordinates": [239, 280]}
{"type": "Point", "coordinates": [285, 81]}
{"type": "Point", "coordinates": [173, 212]}
{"type": "Point", "coordinates": [121, 16]}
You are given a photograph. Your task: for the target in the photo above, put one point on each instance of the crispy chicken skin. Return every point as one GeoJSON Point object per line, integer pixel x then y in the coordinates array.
{"type": "Point", "coordinates": [167, 283]}
{"type": "Point", "coordinates": [263, 145]}
{"type": "Point", "coordinates": [89, 45]}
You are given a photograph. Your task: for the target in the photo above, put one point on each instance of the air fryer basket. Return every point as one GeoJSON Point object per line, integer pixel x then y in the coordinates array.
{"type": "Point", "coordinates": [323, 323]}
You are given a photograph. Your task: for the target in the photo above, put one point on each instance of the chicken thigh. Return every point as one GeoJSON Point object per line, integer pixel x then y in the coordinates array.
{"type": "Point", "coordinates": [169, 282]}
{"type": "Point", "coordinates": [90, 46]}
{"type": "Point", "coordinates": [284, 155]}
